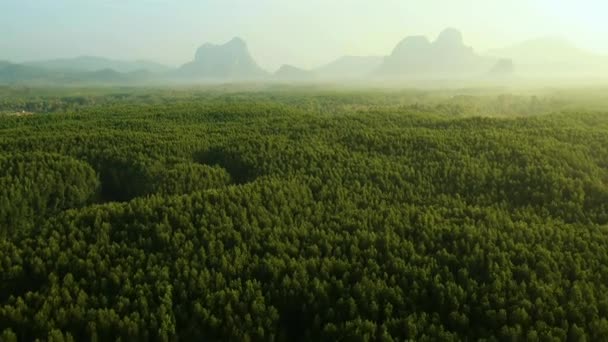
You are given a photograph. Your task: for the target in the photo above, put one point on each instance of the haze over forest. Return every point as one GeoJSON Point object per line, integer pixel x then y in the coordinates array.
{"type": "Point", "coordinates": [303, 170]}
{"type": "Point", "coordinates": [155, 41]}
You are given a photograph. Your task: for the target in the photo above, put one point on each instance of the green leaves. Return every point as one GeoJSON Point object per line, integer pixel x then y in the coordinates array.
{"type": "Point", "coordinates": [301, 216]}
{"type": "Point", "coordinates": [36, 185]}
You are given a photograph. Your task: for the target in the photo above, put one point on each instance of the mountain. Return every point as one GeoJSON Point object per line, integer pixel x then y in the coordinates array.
{"type": "Point", "coordinates": [349, 67]}
{"type": "Point", "coordinates": [229, 61]}
{"type": "Point", "coordinates": [292, 73]}
{"type": "Point", "coordinates": [17, 73]}
{"type": "Point", "coordinates": [553, 57]}
{"type": "Point", "coordinates": [413, 58]}
{"type": "Point", "coordinates": [11, 73]}
{"type": "Point", "coordinates": [90, 63]}
{"type": "Point", "coordinates": [543, 50]}
{"type": "Point", "coordinates": [416, 57]}
{"type": "Point", "coordinates": [342, 69]}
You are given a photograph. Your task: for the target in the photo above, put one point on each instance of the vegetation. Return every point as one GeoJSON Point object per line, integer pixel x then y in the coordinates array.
{"type": "Point", "coordinates": [302, 214]}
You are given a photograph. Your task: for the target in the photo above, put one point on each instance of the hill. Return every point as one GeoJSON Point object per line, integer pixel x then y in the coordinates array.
{"type": "Point", "coordinates": [91, 63]}
{"type": "Point", "coordinates": [292, 73]}
{"type": "Point", "coordinates": [416, 57]}
{"type": "Point", "coordinates": [229, 61]}
{"type": "Point", "coordinates": [11, 73]}
{"type": "Point", "coordinates": [349, 67]}
{"type": "Point", "coordinates": [553, 57]}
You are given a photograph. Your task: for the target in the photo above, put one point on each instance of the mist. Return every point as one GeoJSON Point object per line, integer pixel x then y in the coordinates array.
{"type": "Point", "coordinates": [303, 170]}
{"type": "Point", "coordinates": [315, 41]}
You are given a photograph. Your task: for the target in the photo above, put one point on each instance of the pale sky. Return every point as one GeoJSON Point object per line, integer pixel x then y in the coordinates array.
{"type": "Point", "coordinates": [305, 33]}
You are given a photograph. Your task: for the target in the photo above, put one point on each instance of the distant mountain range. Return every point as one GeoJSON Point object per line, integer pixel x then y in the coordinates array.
{"type": "Point", "coordinates": [11, 73]}
{"type": "Point", "coordinates": [90, 63]}
{"type": "Point", "coordinates": [291, 73]}
{"type": "Point", "coordinates": [348, 67]}
{"type": "Point", "coordinates": [413, 58]}
{"type": "Point", "coordinates": [553, 56]}
{"type": "Point", "coordinates": [344, 68]}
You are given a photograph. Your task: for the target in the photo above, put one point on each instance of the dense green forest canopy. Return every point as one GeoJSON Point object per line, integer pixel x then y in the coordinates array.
{"type": "Point", "coordinates": [257, 213]}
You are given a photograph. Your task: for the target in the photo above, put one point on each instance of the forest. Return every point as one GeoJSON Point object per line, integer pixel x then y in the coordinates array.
{"type": "Point", "coordinates": [249, 213]}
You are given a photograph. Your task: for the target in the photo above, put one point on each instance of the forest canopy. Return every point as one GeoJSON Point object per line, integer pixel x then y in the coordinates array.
{"type": "Point", "coordinates": [231, 214]}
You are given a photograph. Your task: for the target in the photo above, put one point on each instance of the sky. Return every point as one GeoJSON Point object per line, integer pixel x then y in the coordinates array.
{"type": "Point", "coordinates": [304, 33]}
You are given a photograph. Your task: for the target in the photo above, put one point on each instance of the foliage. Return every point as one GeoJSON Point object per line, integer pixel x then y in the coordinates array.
{"type": "Point", "coordinates": [311, 215]}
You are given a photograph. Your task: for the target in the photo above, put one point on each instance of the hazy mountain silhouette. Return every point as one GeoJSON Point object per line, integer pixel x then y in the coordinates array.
{"type": "Point", "coordinates": [231, 60]}
{"type": "Point", "coordinates": [417, 57]}
{"type": "Point", "coordinates": [553, 57]}
{"type": "Point", "coordinates": [543, 50]}
{"type": "Point", "coordinates": [11, 73]}
{"type": "Point", "coordinates": [292, 73]}
{"type": "Point", "coordinates": [414, 58]}
{"type": "Point", "coordinates": [91, 63]}
{"type": "Point", "coordinates": [14, 73]}
{"type": "Point", "coordinates": [349, 67]}
{"type": "Point", "coordinates": [342, 69]}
